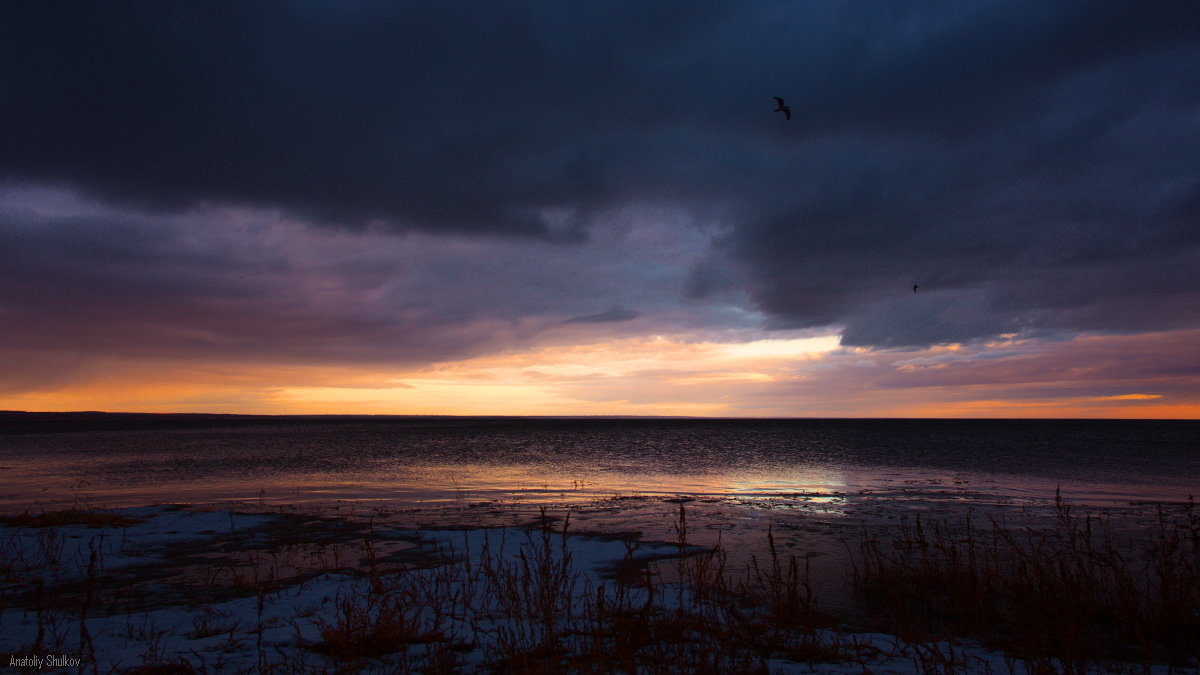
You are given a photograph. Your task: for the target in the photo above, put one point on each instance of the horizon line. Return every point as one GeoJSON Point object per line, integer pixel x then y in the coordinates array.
{"type": "Point", "coordinates": [118, 413]}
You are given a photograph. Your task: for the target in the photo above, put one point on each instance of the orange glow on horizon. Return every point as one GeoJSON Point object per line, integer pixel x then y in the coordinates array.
{"type": "Point", "coordinates": [659, 375]}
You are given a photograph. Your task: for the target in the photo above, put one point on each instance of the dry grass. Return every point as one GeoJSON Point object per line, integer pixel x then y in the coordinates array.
{"type": "Point", "coordinates": [1076, 593]}
{"type": "Point", "coordinates": [1062, 598]}
{"type": "Point", "coordinates": [528, 611]}
{"type": "Point", "coordinates": [706, 619]}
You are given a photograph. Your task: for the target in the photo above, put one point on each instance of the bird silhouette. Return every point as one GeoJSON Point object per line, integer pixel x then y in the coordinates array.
{"type": "Point", "coordinates": [787, 112]}
{"type": "Point", "coordinates": [915, 287]}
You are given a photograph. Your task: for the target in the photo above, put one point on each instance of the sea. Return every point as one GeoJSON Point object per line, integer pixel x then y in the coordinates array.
{"type": "Point", "coordinates": [56, 460]}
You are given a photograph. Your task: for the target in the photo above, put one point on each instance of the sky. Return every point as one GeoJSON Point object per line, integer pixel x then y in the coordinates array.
{"type": "Point", "coordinates": [593, 208]}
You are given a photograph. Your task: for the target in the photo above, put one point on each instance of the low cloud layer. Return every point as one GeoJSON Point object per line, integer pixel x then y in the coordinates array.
{"type": "Point", "coordinates": [229, 285]}
{"type": "Point", "coordinates": [613, 314]}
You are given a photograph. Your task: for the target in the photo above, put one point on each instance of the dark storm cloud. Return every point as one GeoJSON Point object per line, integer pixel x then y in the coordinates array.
{"type": "Point", "coordinates": [1031, 165]}
{"type": "Point", "coordinates": [1031, 171]}
{"type": "Point", "coordinates": [441, 116]}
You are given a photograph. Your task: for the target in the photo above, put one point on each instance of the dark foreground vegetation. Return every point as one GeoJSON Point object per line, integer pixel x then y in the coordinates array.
{"type": "Point", "coordinates": [1077, 595]}
{"type": "Point", "coordinates": [1073, 594]}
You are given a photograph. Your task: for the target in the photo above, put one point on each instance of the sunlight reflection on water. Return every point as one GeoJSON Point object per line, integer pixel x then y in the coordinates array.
{"type": "Point", "coordinates": [402, 462]}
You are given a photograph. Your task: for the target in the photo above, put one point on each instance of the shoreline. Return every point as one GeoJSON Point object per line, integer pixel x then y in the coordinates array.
{"type": "Point", "coordinates": [244, 583]}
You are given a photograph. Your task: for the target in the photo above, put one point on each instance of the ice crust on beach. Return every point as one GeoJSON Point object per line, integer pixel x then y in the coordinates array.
{"type": "Point", "coordinates": [282, 623]}
{"type": "Point", "coordinates": [64, 552]}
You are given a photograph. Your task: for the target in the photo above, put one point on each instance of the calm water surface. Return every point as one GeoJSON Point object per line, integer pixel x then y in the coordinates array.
{"type": "Point", "coordinates": [134, 460]}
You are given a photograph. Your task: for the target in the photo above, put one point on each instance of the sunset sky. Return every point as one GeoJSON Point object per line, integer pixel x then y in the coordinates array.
{"type": "Point", "coordinates": [582, 208]}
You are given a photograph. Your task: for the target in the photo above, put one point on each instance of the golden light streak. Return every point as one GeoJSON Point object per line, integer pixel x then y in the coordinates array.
{"type": "Point", "coordinates": [534, 382]}
{"type": "Point", "coordinates": [782, 348]}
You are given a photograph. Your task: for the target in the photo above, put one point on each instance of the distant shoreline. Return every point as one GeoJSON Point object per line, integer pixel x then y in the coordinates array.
{"type": "Point", "coordinates": [23, 422]}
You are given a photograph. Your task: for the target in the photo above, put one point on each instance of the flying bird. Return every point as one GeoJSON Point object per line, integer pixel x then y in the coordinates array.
{"type": "Point", "coordinates": [787, 112]}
